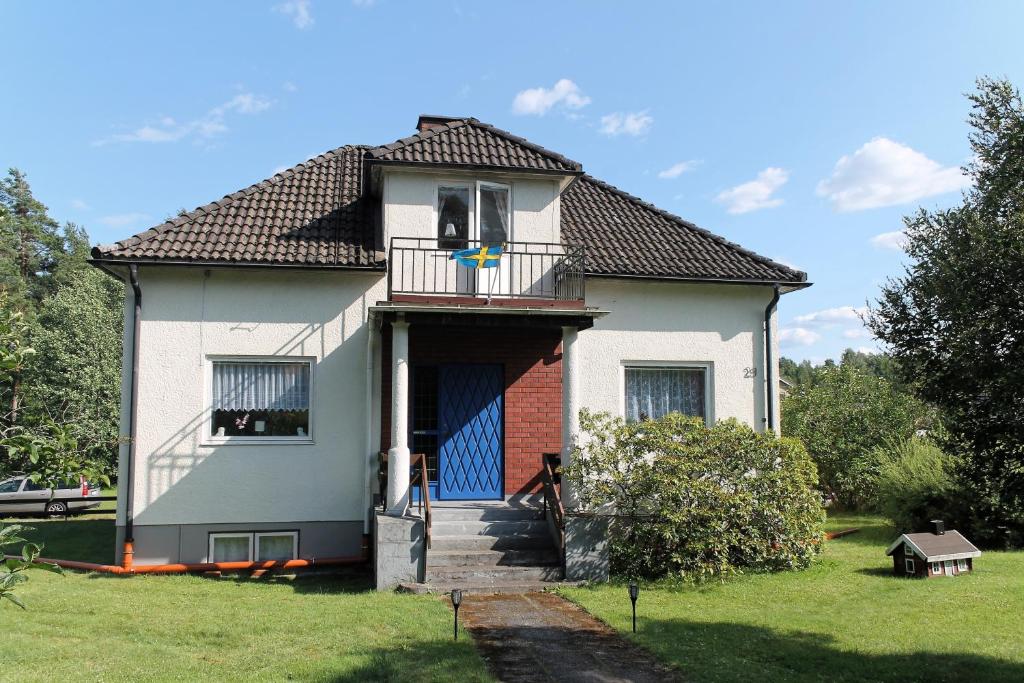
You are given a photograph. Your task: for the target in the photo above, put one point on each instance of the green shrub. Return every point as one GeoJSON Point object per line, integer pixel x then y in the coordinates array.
{"type": "Point", "coordinates": [694, 501]}
{"type": "Point", "coordinates": [840, 418]}
{"type": "Point", "coordinates": [915, 483]}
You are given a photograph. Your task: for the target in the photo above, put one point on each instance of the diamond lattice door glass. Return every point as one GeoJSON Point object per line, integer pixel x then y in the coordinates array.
{"type": "Point", "coordinates": [471, 453]}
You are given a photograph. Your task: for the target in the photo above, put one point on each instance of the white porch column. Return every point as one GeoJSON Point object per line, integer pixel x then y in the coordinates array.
{"type": "Point", "coordinates": [398, 454]}
{"type": "Point", "coordinates": [570, 404]}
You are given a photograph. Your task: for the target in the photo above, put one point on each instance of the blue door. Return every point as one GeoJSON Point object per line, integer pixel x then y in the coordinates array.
{"type": "Point", "coordinates": [470, 432]}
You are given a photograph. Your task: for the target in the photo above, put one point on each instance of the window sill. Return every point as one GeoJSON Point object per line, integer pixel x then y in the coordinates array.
{"type": "Point", "coordinates": [258, 441]}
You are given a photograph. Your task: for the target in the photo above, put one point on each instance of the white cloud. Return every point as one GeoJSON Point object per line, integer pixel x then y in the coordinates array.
{"type": "Point", "coordinates": [289, 86]}
{"type": "Point", "coordinates": [756, 194]}
{"type": "Point", "coordinates": [633, 123]}
{"type": "Point", "coordinates": [80, 205]}
{"type": "Point", "coordinates": [890, 240]}
{"type": "Point", "coordinates": [884, 173]}
{"type": "Point", "coordinates": [121, 220]}
{"type": "Point", "coordinates": [211, 124]}
{"type": "Point", "coordinates": [856, 333]}
{"type": "Point", "coordinates": [299, 11]}
{"type": "Point", "coordinates": [839, 314]}
{"type": "Point", "coordinates": [676, 170]}
{"type": "Point", "coordinates": [537, 101]}
{"type": "Point", "coordinates": [798, 336]}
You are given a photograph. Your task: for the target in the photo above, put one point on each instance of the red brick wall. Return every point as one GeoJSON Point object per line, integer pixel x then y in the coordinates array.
{"type": "Point", "coordinates": [532, 360]}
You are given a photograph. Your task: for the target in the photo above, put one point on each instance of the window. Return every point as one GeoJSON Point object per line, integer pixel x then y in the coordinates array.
{"type": "Point", "coordinates": [11, 486]}
{"type": "Point", "coordinates": [452, 217]}
{"type": "Point", "coordinates": [494, 214]}
{"type": "Point", "coordinates": [936, 567]}
{"type": "Point", "coordinates": [277, 546]}
{"type": "Point", "coordinates": [230, 547]}
{"type": "Point", "coordinates": [909, 564]}
{"type": "Point", "coordinates": [961, 565]}
{"type": "Point", "coordinates": [264, 546]}
{"type": "Point", "coordinates": [652, 392]}
{"type": "Point", "coordinates": [907, 550]}
{"type": "Point", "coordinates": [260, 399]}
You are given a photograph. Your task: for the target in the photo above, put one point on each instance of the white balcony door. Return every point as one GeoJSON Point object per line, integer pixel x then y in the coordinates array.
{"type": "Point", "coordinates": [493, 227]}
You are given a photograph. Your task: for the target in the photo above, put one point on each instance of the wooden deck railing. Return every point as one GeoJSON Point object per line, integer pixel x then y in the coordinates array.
{"type": "Point", "coordinates": [554, 513]}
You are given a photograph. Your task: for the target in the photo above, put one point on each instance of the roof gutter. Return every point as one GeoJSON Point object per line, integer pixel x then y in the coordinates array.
{"type": "Point", "coordinates": [785, 286]}
{"type": "Point", "coordinates": [106, 263]}
{"type": "Point", "coordinates": [769, 361]}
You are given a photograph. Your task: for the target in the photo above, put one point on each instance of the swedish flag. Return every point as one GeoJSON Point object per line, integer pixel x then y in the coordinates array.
{"type": "Point", "coordinates": [478, 257]}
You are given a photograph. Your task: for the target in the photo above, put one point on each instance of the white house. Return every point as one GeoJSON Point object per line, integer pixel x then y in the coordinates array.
{"type": "Point", "coordinates": [278, 339]}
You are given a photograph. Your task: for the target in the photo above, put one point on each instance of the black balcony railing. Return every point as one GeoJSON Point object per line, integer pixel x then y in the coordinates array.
{"type": "Point", "coordinates": [527, 270]}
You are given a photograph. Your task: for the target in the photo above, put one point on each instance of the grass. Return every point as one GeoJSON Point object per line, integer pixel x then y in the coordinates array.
{"type": "Point", "coordinates": [845, 619]}
{"type": "Point", "coordinates": [82, 626]}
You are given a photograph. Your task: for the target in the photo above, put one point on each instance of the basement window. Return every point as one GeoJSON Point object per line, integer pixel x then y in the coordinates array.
{"type": "Point", "coordinates": [261, 546]}
{"type": "Point", "coordinates": [256, 399]}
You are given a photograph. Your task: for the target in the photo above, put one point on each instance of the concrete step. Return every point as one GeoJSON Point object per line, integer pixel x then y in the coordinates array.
{"type": "Point", "coordinates": [478, 542]}
{"type": "Point", "coordinates": [492, 558]}
{"type": "Point", "coordinates": [520, 527]}
{"type": "Point", "coordinates": [493, 574]}
{"type": "Point", "coordinates": [488, 513]}
{"type": "Point", "coordinates": [486, 588]}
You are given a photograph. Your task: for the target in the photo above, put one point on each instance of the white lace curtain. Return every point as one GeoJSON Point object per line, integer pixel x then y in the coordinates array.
{"type": "Point", "coordinates": [260, 386]}
{"type": "Point", "coordinates": [654, 392]}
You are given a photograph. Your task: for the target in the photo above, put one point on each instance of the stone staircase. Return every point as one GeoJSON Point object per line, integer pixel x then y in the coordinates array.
{"type": "Point", "coordinates": [490, 547]}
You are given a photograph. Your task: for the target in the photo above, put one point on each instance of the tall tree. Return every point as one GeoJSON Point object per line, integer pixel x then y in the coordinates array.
{"type": "Point", "coordinates": [77, 337]}
{"type": "Point", "coordinates": [30, 241]}
{"type": "Point", "coordinates": [954, 321]}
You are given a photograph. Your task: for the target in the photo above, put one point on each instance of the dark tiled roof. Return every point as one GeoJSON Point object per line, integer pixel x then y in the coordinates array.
{"type": "Point", "coordinates": [938, 545]}
{"type": "Point", "coordinates": [468, 142]}
{"type": "Point", "coordinates": [627, 236]}
{"type": "Point", "coordinates": [314, 215]}
{"type": "Point", "coordinates": [310, 215]}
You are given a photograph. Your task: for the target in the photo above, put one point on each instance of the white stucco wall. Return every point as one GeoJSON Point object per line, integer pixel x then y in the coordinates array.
{"type": "Point", "coordinates": [410, 201]}
{"type": "Point", "coordinates": [189, 315]}
{"type": "Point", "coordinates": [720, 326]}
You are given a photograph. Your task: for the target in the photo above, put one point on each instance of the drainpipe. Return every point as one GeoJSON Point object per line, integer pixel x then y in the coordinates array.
{"type": "Point", "coordinates": [129, 540]}
{"type": "Point", "coordinates": [769, 361]}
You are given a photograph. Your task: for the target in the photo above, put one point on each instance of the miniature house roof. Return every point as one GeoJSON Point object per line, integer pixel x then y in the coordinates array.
{"type": "Point", "coordinates": [937, 547]}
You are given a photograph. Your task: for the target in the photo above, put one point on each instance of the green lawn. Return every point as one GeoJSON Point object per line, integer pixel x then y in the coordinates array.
{"type": "Point", "coordinates": [845, 619]}
{"type": "Point", "coordinates": [98, 627]}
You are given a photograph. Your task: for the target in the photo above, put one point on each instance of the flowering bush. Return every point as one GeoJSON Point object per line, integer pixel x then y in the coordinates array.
{"type": "Point", "coordinates": [695, 501]}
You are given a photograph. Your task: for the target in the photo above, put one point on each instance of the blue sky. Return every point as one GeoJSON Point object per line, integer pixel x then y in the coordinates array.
{"type": "Point", "coordinates": [803, 131]}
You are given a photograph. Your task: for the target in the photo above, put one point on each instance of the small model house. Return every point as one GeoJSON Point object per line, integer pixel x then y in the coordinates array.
{"type": "Point", "coordinates": [935, 553]}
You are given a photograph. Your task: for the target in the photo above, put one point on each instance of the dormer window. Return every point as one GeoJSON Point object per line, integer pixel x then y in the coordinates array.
{"type": "Point", "coordinates": [452, 217]}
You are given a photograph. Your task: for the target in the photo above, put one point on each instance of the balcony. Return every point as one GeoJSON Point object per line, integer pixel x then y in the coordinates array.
{"type": "Point", "coordinates": [529, 274]}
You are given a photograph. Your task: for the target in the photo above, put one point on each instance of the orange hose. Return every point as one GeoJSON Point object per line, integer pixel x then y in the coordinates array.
{"type": "Point", "coordinates": [183, 568]}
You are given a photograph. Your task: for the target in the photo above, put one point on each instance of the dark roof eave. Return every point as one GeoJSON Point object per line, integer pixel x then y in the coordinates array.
{"type": "Point", "coordinates": [473, 167]}
{"type": "Point", "coordinates": [765, 282]}
{"type": "Point", "coordinates": [105, 263]}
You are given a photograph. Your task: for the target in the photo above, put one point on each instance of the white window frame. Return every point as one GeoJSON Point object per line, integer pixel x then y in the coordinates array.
{"type": "Point", "coordinates": [908, 564]}
{"type": "Point", "coordinates": [209, 439]}
{"type": "Point", "coordinates": [936, 567]}
{"type": "Point", "coordinates": [471, 191]}
{"type": "Point", "coordinates": [230, 534]}
{"type": "Point", "coordinates": [907, 550]}
{"type": "Point", "coordinates": [961, 565]}
{"type": "Point", "coordinates": [709, 381]}
{"type": "Point", "coordinates": [260, 534]}
{"type": "Point", "coordinates": [476, 214]}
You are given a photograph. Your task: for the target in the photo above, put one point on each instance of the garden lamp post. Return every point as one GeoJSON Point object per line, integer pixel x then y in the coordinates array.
{"type": "Point", "coordinates": [456, 601]}
{"type": "Point", "coordinates": [634, 593]}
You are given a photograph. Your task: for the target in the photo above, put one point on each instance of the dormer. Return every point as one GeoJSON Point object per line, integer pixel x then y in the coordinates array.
{"type": "Point", "coordinates": [459, 181]}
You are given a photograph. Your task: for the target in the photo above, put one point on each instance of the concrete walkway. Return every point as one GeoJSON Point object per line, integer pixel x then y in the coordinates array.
{"type": "Point", "coordinates": [541, 637]}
